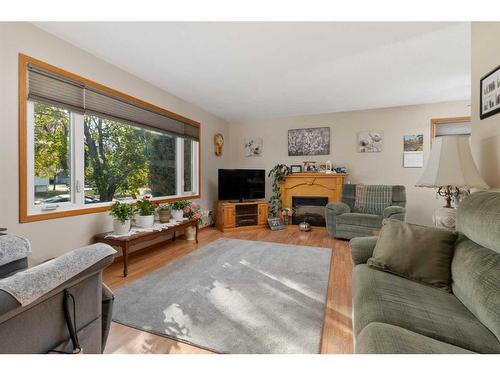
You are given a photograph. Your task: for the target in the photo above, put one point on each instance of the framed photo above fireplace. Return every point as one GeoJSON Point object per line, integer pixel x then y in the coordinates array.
{"type": "Point", "coordinates": [490, 94]}
{"type": "Point", "coordinates": [309, 141]}
{"type": "Point", "coordinates": [295, 168]}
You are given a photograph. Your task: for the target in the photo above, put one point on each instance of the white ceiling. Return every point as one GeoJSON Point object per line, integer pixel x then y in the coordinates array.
{"type": "Point", "coordinates": [246, 71]}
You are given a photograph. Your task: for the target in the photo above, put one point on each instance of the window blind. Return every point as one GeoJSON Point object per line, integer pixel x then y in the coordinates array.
{"type": "Point", "coordinates": [453, 128]}
{"type": "Point", "coordinates": [55, 89]}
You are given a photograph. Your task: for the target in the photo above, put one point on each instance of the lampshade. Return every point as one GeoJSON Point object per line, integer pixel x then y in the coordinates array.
{"type": "Point", "coordinates": [451, 164]}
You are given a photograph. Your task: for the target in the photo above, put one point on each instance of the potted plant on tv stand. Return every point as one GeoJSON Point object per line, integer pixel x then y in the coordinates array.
{"type": "Point", "coordinates": [278, 174]}
{"type": "Point", "coordinates": [121, 213]}
{"type": "Point", "coordinates": [145, 217]}
{"type": "Point", "coordinates": [176, 209]}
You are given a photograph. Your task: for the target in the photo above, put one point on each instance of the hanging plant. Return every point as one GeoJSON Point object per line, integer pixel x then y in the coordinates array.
{"type": "Point", "coordinates": [278, 173]}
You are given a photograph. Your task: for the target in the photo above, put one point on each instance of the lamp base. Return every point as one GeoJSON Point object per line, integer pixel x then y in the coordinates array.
{"type": "Point", "coordinates": [445, 218]}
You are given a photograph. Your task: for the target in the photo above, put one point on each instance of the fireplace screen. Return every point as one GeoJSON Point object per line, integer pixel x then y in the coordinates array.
{"type": "Point", "coordinates": [309, 209]}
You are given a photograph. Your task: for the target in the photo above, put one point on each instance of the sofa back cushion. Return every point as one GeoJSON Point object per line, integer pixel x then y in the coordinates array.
{"type": "Point", "coordinates": [478, 217]}
{"type": "Point", "coordinates": [475, 273]}
{"type": "Point", "coordinates": [475, 268]}
{"type": "Point", "coordinates": [349, 195]}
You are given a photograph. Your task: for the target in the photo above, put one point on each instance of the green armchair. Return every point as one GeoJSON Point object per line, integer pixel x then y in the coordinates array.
{"type": "Point", "coordinates": [344, 221]}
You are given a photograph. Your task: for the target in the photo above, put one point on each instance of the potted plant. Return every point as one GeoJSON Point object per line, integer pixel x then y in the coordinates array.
{"type": "Point", "coordinates": [192, 212]}
{"type": "Point", "coordinates": [145, 217]}
{"type": "Point", "coordinates": [164, 212]}
{"type": "Point", "coordinates": [121, 213]}
{"type": "Point", "coordinates": [176, 209]}
{"type": "Point", "coordinates": [278, 173]}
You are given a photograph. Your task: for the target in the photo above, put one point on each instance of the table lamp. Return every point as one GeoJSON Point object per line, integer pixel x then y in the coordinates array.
{"type": "Point", "coordinates": [449, 168]}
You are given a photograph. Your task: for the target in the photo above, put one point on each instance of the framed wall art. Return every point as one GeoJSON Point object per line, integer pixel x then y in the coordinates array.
{"type": "Point", "coordinates": [490, 94]}
{"type": "Point", "coordinates": [253, 147]}
{"type": "Point", "coordinates": [371, 141]}
{"type": "Point", "coordinates": [309, 141]}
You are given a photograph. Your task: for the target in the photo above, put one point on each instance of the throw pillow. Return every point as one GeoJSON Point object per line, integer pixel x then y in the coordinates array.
{"type": "Point", "coordinates": [421, 254]}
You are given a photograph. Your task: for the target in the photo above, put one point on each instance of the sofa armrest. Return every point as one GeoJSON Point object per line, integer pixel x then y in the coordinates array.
{"type": "Point", "coordinates": [338, 208]}
{"type": "Point", "coordinates": [107, 313]}
{"type": "Point", "coordinates": [362, 249]}
{"type": "Point", "coordinates": [394, 212]}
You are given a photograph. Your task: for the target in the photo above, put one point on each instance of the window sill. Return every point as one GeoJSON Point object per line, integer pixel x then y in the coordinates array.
{"type": "Point", "coordinates": [28, 218]}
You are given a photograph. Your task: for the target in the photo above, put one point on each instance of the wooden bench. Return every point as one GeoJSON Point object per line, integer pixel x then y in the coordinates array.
{"type": "Point", "coordinates": [125, 242]}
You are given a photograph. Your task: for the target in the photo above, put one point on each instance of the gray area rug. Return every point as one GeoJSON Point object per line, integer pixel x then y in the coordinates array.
{"type": "Point", "coordinates": [234, 296]}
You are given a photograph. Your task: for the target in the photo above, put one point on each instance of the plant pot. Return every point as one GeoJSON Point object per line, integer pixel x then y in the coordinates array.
{"type": "Point", "coordinates": [145, 221]}
{"type": "Point", "coordinates": [164, 216]}
{"type": "Point", "coordinates": [121, 228]}
{"type": "Point", "coordinates": [190, 233]}
{"type": "Point", "coordinates": [177, 214]}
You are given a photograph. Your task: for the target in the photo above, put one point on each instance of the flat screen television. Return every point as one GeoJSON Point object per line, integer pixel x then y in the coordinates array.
{"type": "Point", "coordinates": [242, 184]}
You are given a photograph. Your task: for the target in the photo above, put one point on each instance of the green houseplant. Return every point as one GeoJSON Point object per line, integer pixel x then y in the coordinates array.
{"type": "Point", "coordinates": [278, 174]}
{"type": "Point", "coordinates": [145, 209]}
{"type": "Point", "coordinates": [177, 209]}
{"type": "Point", "coordinates": [121, 213]}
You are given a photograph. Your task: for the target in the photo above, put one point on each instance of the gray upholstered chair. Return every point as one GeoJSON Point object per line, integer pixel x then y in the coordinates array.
{"type": "Point", "coordinates": [344, 221]}
{"type": "Point", "coordinates": [32, 300]}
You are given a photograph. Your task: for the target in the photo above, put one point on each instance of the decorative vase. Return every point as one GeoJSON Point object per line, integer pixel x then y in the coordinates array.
{"type": "Point", "coordinates": [145, 221]}
{"type": "Point", "coordinates": [190, 233]}
{"type": "Point", "coordinates": [164, 216]}
{"type": "Point", "coordinates": [304, 226]}
{"type": "Point", "coordinates": [177, 214]}
{"type": "Point", "coordinates": [121, 228]}
{"type": "Point", "coordinates": [445, 218]}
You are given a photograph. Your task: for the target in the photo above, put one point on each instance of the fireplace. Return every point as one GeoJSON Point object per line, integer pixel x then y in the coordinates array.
{"type": "Point", "coordinates": [310, 209]}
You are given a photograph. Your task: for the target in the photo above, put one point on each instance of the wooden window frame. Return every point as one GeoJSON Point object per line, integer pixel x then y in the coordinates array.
{"type": "Point", "coordinates": [446, 120]}
{"type": "Point", "coordinates": [24, 215]}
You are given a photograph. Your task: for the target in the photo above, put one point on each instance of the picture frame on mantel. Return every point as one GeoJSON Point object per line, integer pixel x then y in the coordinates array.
{"type": "Point", "coordinates": [489, 94]}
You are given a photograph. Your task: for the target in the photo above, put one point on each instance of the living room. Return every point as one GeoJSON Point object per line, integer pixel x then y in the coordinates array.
{"type": "Point", "coordinates": [250, 187]}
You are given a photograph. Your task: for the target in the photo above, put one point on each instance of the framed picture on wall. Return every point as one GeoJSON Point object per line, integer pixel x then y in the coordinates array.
{"type": "Point", "coordinates": [309, 141]}
{"type": "Point", "coordinates": [490, 94]}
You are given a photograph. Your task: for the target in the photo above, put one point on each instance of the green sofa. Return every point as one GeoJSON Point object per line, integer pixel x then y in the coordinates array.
{"type": "Point", "coordinates": [392, 314]}
{"type": "Point", "coordinates": [343, 220]}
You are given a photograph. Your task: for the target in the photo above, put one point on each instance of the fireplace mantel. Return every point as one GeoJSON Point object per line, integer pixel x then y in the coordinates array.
{"type": "Point", "coordinates": [312, 185]}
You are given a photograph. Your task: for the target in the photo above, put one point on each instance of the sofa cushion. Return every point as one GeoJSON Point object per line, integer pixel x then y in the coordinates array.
{"type": "Point", "coordinates": [381, 338]}
{"type": "Point", "coordinates": [360, 219]}
{"type": "Point", "coordinates": [475, 274]}
{"type": "Point", "coordinates": [372, 199]}
{"type": "Point", "coordinates": [478, 218]}
{"type": "Point", "coordinates": [421, 254]}
{"type": "Point", "coordinates": [386, 298]}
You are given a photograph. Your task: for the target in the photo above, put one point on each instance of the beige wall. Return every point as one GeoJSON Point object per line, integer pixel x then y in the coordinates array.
{"type": "Point", "coordinates": [377, 168]}
{"type": "Point", "coordinates": [53, 237]}
{"type": "Point", "coordinates": [485, 56]}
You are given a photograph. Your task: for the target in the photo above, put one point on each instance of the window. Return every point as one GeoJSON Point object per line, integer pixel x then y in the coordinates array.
{"type": "Point", "coordinates": [450, 126]}
{"type": "Point", "coordinates": [81, 154]}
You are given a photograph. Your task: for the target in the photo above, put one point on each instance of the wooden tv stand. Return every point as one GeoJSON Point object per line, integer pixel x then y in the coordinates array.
{"type": "Point", "coordinates": [230, 216]}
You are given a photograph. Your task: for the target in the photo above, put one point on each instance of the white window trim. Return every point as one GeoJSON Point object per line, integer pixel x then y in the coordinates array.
{"type": "Point", "coordinates": [77, 172]}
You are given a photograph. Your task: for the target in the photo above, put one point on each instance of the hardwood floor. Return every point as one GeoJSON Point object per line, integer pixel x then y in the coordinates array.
{"type": "Point", "coordinates": [337, 329]}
